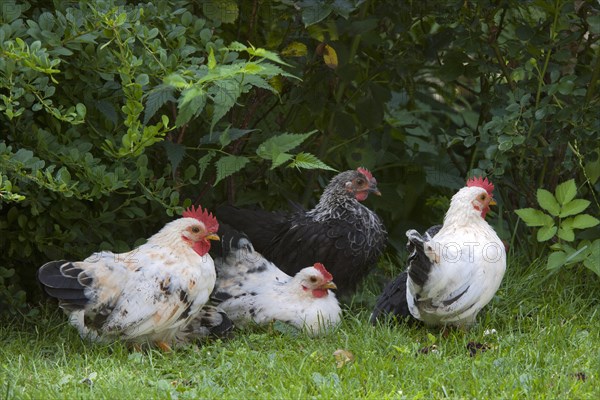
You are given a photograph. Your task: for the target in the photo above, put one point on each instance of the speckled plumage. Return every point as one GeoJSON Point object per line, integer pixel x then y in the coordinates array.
{"type": "Point", "coordinates": [249, 288]}
{"type": "Point", "coordinates": [145, 295]}
{"type": "Point", "coordinates": [339, 232]}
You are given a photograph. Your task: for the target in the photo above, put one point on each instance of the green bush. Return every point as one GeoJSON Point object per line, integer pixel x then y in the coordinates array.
{"type": "Point", "coordinates": [115, 115]}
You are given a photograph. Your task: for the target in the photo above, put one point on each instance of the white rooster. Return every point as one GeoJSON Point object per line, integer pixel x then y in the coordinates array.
{"type": "Point", "coordinates": [454, 272]}
{"type": "Point", "coordinates": [250, 288]}
{"type": "Point", "coordinates": [146, 295]}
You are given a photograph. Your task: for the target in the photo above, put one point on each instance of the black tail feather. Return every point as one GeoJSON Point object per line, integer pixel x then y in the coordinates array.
{"type": "Point", "coordinates": [210, 322]}
{"type": "Point", "coordinates": [60, 280]}
{"type": "Point", "coordinates": [392, 301]}
{"type": "Point", "coordinates": [418, 263]}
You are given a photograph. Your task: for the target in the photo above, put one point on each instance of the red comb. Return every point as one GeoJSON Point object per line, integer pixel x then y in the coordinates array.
{"type": "Point", "coordinates": [482, 183]}
{"type": "Point", "coordinates": [203, 216]}
{"type": "Point", "coordinates": [365, 172]}
{"type": "Point", "coordinates": [321, 268]}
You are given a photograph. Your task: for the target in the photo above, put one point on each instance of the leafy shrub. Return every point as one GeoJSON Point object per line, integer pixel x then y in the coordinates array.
{"type": "Point", "coordinates": [90, 155]}
{"type": "Point", "coordinates": [565, 215]}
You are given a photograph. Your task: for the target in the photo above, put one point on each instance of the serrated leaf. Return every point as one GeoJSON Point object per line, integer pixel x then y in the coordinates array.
{"type": "Point", "coordinates": [566, 191]}
{"type": "Point", "coordinates": [584, 221]}
{"type": "Point", "coordinates": [229, 165]}
{"type": "Point", "coordinates": [283, 143]}
{"type": "Point", "coordinates": [175, 153]}
{"type": "Point", "coordinates": [533, 217]}
{"type": "Point", "coordinates": [556, 260]}
{"type": "Point", "coordinates": [546, 233]}
{"type": "Point", "coordinates": [566, 233]}
{"type": "Point", "coordinates": [309, 161]}
{"type": "Point", "coordinates": [280, 159]}
{"type": "Point", "coordinates": [263, 53]}
{"type": "Point", "coordinates": [224, 95]}
{"type": "Point", "coordinates": [547, 201]}
{"type": "Point", "coordinates": [203, 163]}
{"type": "Point", "coordinates": [155, 99]}
{"type": "Point", "coordinates": [190, 103]}
{"type": "Point", "coordinates": [237, 46]}
{"type": "Point", "coordinates": [573, 207]}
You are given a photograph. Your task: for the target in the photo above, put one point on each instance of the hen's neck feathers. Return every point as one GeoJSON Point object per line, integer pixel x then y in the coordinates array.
{"type": "Point", "coordinates": [461, 211]}
{"type": "Point", "coordinates": [337, 202]}
{"type": "Point", "coordinates": [170, 236]}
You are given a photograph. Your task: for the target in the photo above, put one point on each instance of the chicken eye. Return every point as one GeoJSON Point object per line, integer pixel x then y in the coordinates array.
{"type": "Point", "coordinates": [360, 181]}
{"type": "Point", "coordinates": [313, 279]}
{"type": "Point", "coordinates": [482, 197]}
{"type": "Point", "coordinates": [195, 229]}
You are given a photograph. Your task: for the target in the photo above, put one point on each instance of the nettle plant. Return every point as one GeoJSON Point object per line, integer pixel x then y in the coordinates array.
{"type": "Point", "coordinates": [564, 215]}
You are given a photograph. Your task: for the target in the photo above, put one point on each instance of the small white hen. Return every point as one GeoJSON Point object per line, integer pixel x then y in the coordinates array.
{"type": "Point", "coordinates": [250, 288]}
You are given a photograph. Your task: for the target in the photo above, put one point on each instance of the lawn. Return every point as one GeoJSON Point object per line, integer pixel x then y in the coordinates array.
{"type": "Point", "coordinates": [541, 333]}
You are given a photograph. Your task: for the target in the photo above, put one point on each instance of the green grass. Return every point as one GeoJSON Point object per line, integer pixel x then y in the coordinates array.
{"type": "Point", "coordinates": [547, 345]}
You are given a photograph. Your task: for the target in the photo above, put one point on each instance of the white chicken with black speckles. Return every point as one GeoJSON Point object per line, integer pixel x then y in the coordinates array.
{"type": "Point", "coordinates": [146, 295]}
{"type": "Point", "coordinates": [250, 288]}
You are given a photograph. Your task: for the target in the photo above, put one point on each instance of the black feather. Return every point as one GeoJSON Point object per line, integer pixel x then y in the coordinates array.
{"type": "Point", "coordinates": [339, 232]}
{"type": "Point", "coordinates": [392, 301]}
{"type": "Point", "coordinates": [62, 280]}
{"type": "Point", "coordinates": [210, 321]}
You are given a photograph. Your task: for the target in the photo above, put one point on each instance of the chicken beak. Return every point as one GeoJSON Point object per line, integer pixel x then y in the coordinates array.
{"type": "Point", "coordinates": [329, 285]}
{"type": "Point", "coordinates": [492, 202]}
{"type": "Point", "coordinates": [212, 236]}
{"type": "Point", "coordinates": [375, 191]}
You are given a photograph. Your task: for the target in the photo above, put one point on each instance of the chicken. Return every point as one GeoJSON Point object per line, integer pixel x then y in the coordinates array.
{"type": "Point", "coordinates": [146, 295]}
{"type": "Point", "coordinates": [339, 232]}
{"type": "Point", "coordinates": [249, 288]}
{"type": "Point", "coordinates": [454, 273]}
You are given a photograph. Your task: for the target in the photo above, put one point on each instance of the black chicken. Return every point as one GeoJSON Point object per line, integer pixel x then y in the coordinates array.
{"type": "Point", "coordinates": [339, 232]}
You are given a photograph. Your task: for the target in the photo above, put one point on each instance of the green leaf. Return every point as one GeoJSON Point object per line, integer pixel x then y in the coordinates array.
{"type": "Point", "coordinates": [546, 233]}
{"type": "Point", "coordinates": [566, 191]}
{"type": "Point", "coordinates": [224, 95]}
{"type": "Point", "coordinates": [155, 99]}
{"type": "Point", "coordinates": [283, 143]}
{"type": "Point", "coordinates": [212, 62]}
{"type": "Point", "coordinates": [566, 233]}
{"type": "Point", "coordinates": [556, 260]}
{"type": "Point", "coordinates": [280, 159]}
{"type": "Point", "coordinates": [190, 104]}
{"type": "Point", "coordinates": [176, 81]}
{"type": "Point", "coordinates": [314, 11]}
{"type": "Point", "coordinates": [533, 217]}
{"type": "Point", "coordinates": [229, 165]}
{"type": "Point", "coordinates": [592, 262]}
{"type": "Point", "coordinates": [584, 221]}
{"type": "Point", "coordinates": [547, 201]}
{"type": "Point", "coordinates": [309, 161]}
{"type": "Point", "coordinates": [175, 154]}
{"type": "Point", "coordinates": [203, 163]}
{"type": "Point", "coordinates": [592, 170]}
{"type": "Point", "coordinates": [573, 207]}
